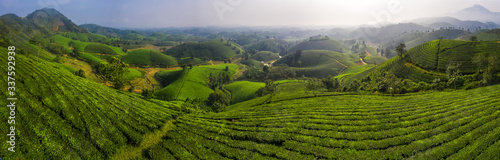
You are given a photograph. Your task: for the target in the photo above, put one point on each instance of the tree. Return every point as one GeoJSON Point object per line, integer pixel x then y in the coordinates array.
{"type": "Point", "coordinates": [271, 88]}
{"type": "Point", "coordinates": [147, 93]}
{"type": "Point", "coordinates": [313, 84]}
{"type": "Point", "coordinates": [454, 77]}
{"type": "Point", "coordinates": [219, 99]}
{"type": "Point", "coordinates": [401, 48]}
{"type": "Point", "coordinates": [265, 69]}
{"type": "Point", "coordinates": [80, 73]}
{"type": "Point", "coordinates": [113, 72]}
{"type": "Point", "coordinates": [330, 83]}
{"type": "Point", "coordinates": [473, 38]}
{"type": "Point", "coordinates": [354, 86]}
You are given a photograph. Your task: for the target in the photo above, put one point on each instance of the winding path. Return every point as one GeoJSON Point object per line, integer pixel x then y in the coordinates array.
{"type": "Point", "coordinates": [150, 139]}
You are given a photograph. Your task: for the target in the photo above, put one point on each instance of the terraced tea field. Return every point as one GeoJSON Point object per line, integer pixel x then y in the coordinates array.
{"type": "Point", "coordinates": [62, 116]}
{"type": "Point", "coordinates": [439, 125]}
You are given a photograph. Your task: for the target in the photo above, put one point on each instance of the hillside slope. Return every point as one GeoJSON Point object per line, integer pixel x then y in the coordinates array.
{"type": "Point", "coordinates": [319, 44]}
{"type": "Point", "coordinates": [429, 61]}
{"type": "Point", "coordinates": [144, 57]}
{"type": "Point", "coordinates": [456, 125]}
{"type": "Point", "coordinates": [444, 33]}
{"type": "Point", "coordinates": [62, 116]}
{"type": "Point", "coordinates": [209, 50]}
{"type": "Point", "coordinates": [189, 83]}
{"type": "Point", "coordinates": [318, 63]}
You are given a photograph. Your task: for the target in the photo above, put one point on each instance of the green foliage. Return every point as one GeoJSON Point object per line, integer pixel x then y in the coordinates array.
{"type": "Point", "coordinates": [330, 83]}
{"type": "Point", "coordinates": [317, 63]}
{"type": "Point", "coordinates": [113, 72]}
{"type": "Point", "coordinates": [313, 84]}
{"type": "Point", "coordinates": [216, 81]}
{"type": "Point", "coordinates": [401, 48]}
{"type": "Point", "coordinates": [243, 90]}
{"type": "Point", "coordinates": [272, 45]}
{"type": "Point", "coordinates": [145, 57]}
{"type": "Point", "coordinates": [209, 50]}
{"type": "Point", "coordinates": [189, 83]}
{"type": "Point", "coordinates": [80, 73]}
{"type": "Point", "coordinates": [70, 117]}
{"type": "Point", "coordinates": [323, 44]}
{"type": "Point", "coordinates": [56, 48]}
{"type": "Point", "coordinates": [132, 73]}
{"type": "Point", "coordinates": [99, 48]}
{"type": "Point", "coordinates": [430, 125]}
{"type": "Point", "coordinates": [473, 38]}
{"type": "Point", "coordinates": [265, 56]}
{"type": "Point", "coordinates": [219, 99]}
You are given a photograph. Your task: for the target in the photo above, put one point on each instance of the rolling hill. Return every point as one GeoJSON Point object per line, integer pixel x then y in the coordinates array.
{"type": "Point", "coordinates": [319, 44]}
{"type": "Point", "coordinates": [444, 33]}
{"type": "Point", "coordinates": [62, 116]}
{"type": "Point", "coordinates": [209, 50]}
{"type": "Point", "coordinates": [272, 45]}
{"type": "Point", "coordinates": [318, 63]}
{"type": "Point", "coordinates": [145, 57]}
{"type": "Point", "coordinates": [243, 90]}
{"type": "Point", "coordinates": [265, 56]}
{"type": "Point", "coordinates": [491, 35]}
{"type": "Point", "coordinates": [189, 83]}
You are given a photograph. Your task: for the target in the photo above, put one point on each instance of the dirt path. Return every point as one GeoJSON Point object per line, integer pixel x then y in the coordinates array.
{"type": "Point", "coordinates": [150, 139]}
{"type": "Point", "coordinates": [363, 61]}
{"type": "Point", "coordinates": [367, 53]}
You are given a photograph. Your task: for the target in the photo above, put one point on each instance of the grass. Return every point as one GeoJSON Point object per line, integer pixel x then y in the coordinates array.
{"type": "Point", "coordinates": [190, 83]}
{"type": "Point", "coordinates": [243, 90]}
{"type": "Point", "coordinates": [63, 116]}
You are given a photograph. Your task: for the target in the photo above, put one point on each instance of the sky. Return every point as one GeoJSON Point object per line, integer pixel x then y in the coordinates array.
{"type": "Point", "coordinates": [182, 13]}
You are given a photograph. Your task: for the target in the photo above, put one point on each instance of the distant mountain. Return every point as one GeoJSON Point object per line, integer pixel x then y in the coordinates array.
{"type": "Point", "coordinates": [106, 31]}
{"type": "Point", "coordinates": [53, 20]}
{"type": "Point", "coordinates": [388, 32]}
{"type": "Point", "coordinates": [478, 13]}
{"type": "Point", "coordinates": [447, 22]}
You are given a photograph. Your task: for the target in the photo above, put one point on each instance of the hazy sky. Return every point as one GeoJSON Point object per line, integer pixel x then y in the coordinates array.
{"type": "Point", "coordinates": [165, 13]}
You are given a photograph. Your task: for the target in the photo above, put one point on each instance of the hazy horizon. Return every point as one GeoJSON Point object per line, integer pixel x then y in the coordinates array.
{"type": "Point", "coordinates": [198, 13]}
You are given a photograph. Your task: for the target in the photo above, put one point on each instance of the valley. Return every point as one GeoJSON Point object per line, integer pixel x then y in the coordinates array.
{"type": "Point", "coordinates": [423, 89]}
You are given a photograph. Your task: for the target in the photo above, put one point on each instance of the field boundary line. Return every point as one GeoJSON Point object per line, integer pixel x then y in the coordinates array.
{"type": "Point", "coordinates": [150, 139]}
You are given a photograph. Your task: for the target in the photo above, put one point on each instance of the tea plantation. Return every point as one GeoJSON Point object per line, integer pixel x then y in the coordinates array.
{"type": "Point", "coordinates": [62, 116]}
{"type": "Point", "coordinates": [439, 125]}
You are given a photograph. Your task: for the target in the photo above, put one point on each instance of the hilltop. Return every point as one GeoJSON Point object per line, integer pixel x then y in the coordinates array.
{"type": "Point", "coordinates": [208, 50]}
{"type": "Point", "coordinates": [319, 44]}
{"type": "Point", "coordinates": [53, 20]}
{"type": "Point", "coordinates": [318, 63]}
